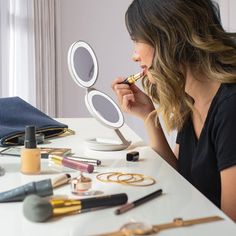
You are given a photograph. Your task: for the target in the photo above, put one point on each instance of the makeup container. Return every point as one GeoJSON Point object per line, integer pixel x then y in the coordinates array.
{"type": "Point", "coordinates": [80, 184]}
{"type": "Point", "coordinates": [30, 154]}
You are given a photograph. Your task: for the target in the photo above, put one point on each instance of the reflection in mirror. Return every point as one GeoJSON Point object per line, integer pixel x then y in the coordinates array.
{"type": "Point", "coordinates": [83, 64]}
{"type": "Point", "coordinates": [105, 108]}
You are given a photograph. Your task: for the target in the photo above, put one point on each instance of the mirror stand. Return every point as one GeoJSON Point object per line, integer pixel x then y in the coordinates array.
{"type": "Point", "coordinates": [83, 67]}
{"type": "Point", "coordinates": [100, 144]}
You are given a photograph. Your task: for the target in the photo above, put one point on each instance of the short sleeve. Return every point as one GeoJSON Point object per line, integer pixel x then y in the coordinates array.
{"type": "Point", "coordinates": [179, 137]}
{"type": "Point", "coordinates": [224, 133]}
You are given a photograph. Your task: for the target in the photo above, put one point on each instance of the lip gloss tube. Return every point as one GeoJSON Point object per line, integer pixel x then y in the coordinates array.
{"type": "Point", "coordinates": [133, 78]}
{"type": "Point", "coordinates": [85, 160]}
{"type": "Point", "coordinates": [76, 165]}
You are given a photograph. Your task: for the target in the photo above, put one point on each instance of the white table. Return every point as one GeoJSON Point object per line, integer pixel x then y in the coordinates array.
{"type": "Point", "coordinates": [181, 199]}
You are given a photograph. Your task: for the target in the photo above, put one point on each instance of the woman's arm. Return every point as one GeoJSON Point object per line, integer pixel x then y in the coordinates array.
{"type": "Point", "coordinates": [228, 191]}
{"type": "Point", "coordinates": [134, 101]}
{"type": "Point", "coordinates": [158, 142]}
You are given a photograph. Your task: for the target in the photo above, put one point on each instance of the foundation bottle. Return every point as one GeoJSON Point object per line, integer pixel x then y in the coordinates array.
{"type": "Point", "coordinates": [30, 154]}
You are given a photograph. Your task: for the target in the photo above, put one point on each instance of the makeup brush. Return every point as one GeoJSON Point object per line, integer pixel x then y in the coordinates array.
{"type": "Point", "coordinates": [37, 209]}
{"type": "Point", "coordinates": [42, 188]}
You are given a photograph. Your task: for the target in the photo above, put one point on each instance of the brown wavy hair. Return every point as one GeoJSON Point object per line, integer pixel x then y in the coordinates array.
{"type": "Point", "coordinates": [184, 33]}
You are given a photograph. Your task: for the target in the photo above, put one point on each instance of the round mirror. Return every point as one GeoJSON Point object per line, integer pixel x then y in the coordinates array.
{"type": "Point", "coordinates": [83, 68]}
{"type": "Point", "coordinates": [102, 107]}
{"type": "Point", "coordinates": [82, 64]}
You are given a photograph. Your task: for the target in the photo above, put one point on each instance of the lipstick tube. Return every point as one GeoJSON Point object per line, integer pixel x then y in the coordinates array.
{"type": "Point", "coordinates": [133, 78]}
{"type": "Point", "coordinates": [76, 165]}
{"type": "Point", "coordinates": [61, 180]}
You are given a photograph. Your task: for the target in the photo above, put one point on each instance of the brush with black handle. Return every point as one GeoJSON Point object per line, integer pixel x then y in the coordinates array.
{"type": "Point", "coordinates": [38, 209]}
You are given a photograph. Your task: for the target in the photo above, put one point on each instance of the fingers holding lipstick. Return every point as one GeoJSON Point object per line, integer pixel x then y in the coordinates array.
{"type": "Point", "coordinates": [132, 99]}
{"type": "Point", "coordinates": [127, 101]}
{"type": "Point", "coordinates": [123, 92]}
{"type": "Point", "coordinates": [117, 82]}
{"type": "Point", "coordinates": [124, 96]}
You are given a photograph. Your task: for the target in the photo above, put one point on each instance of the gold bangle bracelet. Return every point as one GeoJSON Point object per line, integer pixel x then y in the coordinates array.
{"type": "Point", "coordinates": [132, 179]}
{"type": "Point", "coordinates": [109, 177]}
{"type": "Point", "coordinates": [139, 184]}
{"type": "Point", "coordinates": [141, 178]}
{"type": "Point", "coordinates": [99, 176]}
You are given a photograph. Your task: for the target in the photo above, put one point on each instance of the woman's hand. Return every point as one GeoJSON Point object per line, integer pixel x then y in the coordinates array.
{"type": "Point", "coordinates": [132, 100]}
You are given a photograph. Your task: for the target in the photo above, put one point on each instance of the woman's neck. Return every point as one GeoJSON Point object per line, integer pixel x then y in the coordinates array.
{"type": "Point", "coordinates": [200, 88]}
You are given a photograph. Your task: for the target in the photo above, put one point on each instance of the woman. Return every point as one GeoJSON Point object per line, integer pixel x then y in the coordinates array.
{"type": "Point", "coordinates": [190, 66]}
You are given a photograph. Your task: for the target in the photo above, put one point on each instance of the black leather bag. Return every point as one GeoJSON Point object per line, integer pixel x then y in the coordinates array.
{"type": "Point", "coordinates": [15, 114]}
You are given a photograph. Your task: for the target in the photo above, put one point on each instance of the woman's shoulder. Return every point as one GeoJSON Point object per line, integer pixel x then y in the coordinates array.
{"type": "Point", "coordinates": [225, 100]}
{"type": "Point", "coordinates": [226, 93]}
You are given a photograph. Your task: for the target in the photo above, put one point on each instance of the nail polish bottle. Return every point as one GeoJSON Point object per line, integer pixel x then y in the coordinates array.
{"type": "Point", "coordinates": [30, 154]}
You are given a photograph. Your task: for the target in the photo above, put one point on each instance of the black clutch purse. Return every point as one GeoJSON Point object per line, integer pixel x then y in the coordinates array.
{"type": "Point", "coordinates": [15, 114]}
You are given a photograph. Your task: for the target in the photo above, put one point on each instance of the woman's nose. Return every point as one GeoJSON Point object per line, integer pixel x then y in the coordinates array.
{"type": "Point", "coordinates": [135, 57]}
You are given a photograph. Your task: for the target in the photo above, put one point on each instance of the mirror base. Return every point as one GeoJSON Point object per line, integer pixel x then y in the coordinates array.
{"type": "Point", "coordinates": [97, 145]}
{"type": "Point", "coordinates": [100, 144]}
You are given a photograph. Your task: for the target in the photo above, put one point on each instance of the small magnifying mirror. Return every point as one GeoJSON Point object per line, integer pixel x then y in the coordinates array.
{"type": "Point", "coordinates": [83, 67]}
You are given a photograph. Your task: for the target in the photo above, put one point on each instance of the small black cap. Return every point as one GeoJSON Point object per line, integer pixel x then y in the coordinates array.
{"type": "Point", "coordinates": [30, 137]}
{"type": "Point", "coordinates": [132, 156]}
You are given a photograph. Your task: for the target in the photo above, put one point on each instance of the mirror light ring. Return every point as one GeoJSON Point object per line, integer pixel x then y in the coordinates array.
{"type": "Point", "coordinates": [73, 73]}
{"type": "Point", "coordinates": [93, 111]}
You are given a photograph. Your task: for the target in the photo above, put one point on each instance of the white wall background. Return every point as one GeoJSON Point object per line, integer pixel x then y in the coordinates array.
{"type": "Point", "coordinates": [228, 16]}
{"type": "Point", "coordinates": [101, 24]}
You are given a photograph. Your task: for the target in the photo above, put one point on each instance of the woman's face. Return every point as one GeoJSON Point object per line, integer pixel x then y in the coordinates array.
{"type": "Point", "coordinates": [143, 54]}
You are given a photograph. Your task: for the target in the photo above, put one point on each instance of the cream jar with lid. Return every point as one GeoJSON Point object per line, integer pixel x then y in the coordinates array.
{"type": "Point", "coordinates": [81, 184]}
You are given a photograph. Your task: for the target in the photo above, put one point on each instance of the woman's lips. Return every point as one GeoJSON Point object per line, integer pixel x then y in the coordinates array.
{"type": "Point", "coordinates": [144, 69]}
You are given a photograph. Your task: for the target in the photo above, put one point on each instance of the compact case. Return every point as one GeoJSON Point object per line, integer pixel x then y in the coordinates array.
{"type": "Point", "coordinates": [15, 114]}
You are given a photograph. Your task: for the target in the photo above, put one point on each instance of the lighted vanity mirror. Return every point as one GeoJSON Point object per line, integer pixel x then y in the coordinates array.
{"type": "Point", "coordinates": [83, 67]}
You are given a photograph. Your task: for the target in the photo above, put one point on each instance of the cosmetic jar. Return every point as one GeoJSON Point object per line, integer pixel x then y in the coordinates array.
{"type": "Point", "coordinates": [80, 184]}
